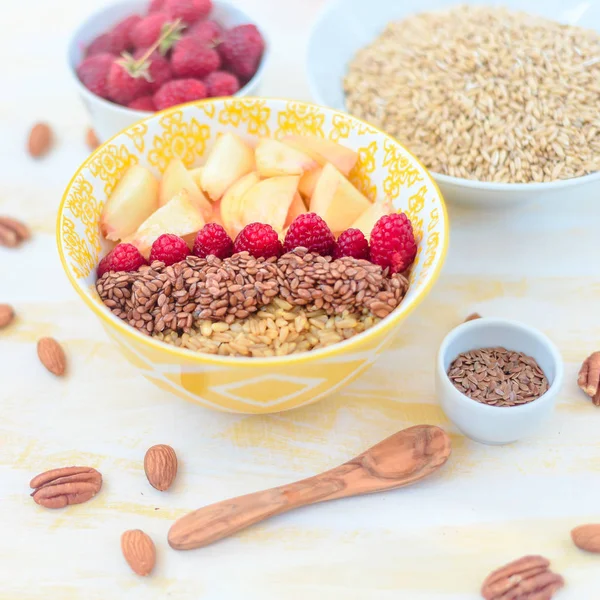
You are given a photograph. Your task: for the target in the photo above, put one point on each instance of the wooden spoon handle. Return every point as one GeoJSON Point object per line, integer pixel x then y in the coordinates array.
{"type": "Point", "coordinates": [211, 523]}
{"type": "Point", "coordinates": [401, 459]}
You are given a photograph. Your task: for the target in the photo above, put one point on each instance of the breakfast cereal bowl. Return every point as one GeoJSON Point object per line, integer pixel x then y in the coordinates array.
{"type": "Point", "coordinates": [109, 118]}
{"type": "Point", "coordinates": [346, 26]}
{"type": "Point", "coordinates": [250, 384]}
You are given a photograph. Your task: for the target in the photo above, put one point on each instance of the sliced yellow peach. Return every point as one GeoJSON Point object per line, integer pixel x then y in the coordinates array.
{"type": "Point", "coordinates": [180, 216]}
{"type": "Point", "coordinates": [133, 200]}
{"type": "Point", "coordinates": [308, 181]}
{"type": "Point", "coordinates": [177, 178]}
{"type": "Point", "coordinates": [216, 213]}
{"type": "Point", "coordinates": [297, 208]}
{"type": "Point", "coordinates": [230, 159]}
{"type": "Point", "coordinates": [269, 201]}
{"type": "Point", "coordinates": [197, 176]}
{"type": "Point", "coordinates": [231, 203]}
{"type": "Point", "coordinates": [369, 217]}
{"type": "Point", "coordinates": [274, 159]}
{"type": "Point", "coordinates": [324, 151]}
{"type": "Point", "coordinates": [336, 200]}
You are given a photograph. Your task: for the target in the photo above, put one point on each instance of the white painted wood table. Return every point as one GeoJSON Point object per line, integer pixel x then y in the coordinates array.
{"type": "Point", "coordinates": [435, 541]}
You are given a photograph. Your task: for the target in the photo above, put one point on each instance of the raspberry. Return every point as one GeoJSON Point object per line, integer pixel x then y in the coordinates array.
{"type": "Point", "coordinates": [116, 40]}
{"type": "Point", "coordinates": [241, 49]}
{"type": "Point", "coordinates": [221, 83]}
{"type": "Point", "coordinates": [169, 249]}
{"type": "Point", "coordinates": [193, 58]}
{"type": "Point", "coordinates": [208, 32]}
{"type": "Point", "coordinates": [260, 240]}
{"type": "Point", "coordinates": [122, 32]}
{"type": "Point", "coordinates": [159, 69]}
{"type": "Point", "coordinates": [393, 243]}
{"type": "Point", "coordinates": [101, 45]}
{"type": "Point", "coordinates": [148, 30]}
{"type": "Point", "coordinates": [145, 103]}
{"type": "Point", "coordinates": [213, 239]}
{"type": "Point", "coordinates": [179, 92]}
{"type": "Point", "coordinates": [123, 257]}
{"type": "Point", "coordinates": [124, 83]}
{"type": "Point", "coordinates": [352, 242]}
{"type": "Point", "coordinates": [188, 11]}
{"type": "Point", "coordinates": [156, 5]}
{"type": "Point", "coordinates": [311, 232]}
{"type": "Point", "coordinates": [93, 72]}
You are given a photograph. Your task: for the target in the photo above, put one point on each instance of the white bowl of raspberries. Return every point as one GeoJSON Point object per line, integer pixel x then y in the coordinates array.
{"type": "Point", "coordinates": [138, 57]}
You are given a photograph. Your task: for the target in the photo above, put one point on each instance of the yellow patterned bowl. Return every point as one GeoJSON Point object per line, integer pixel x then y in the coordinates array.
{"type": "Point", "coordinates": [249, 385]}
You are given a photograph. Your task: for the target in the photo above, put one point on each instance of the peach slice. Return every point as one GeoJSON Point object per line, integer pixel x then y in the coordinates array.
{"type": "Point", "coordinates": [269, 201]}
{"type": "Point", "coordinates": [216, 213]}
{"type": "Point", "coordinates": [369, 217]}
{"type": "Point", "coordinates": [308, 182]}
{"type": "Point", "coordinates": [230, 159]}
{"type": "Point", "coordinates": [180, 216]}
{"type": "Point", "coordinates": [324, 151]}
{"type": "Point", "coordinates": [177, 178]}
{"type": "Point", "coordinates": [133, 200]}
{"type": "Point", "coordinates": [197, 176]}
{"type": "Point", "coordinates": [274, 159]}
{"type": "Point", "coordinates": [231, 203]}
{"type": "Point", "coordinates": [336, 200]}
{"type": "Point", "coordinates": [297, 208]}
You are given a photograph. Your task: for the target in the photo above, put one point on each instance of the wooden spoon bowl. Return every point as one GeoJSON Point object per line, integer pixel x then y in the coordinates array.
{"type": "Point", "coordinates": [401, 459]}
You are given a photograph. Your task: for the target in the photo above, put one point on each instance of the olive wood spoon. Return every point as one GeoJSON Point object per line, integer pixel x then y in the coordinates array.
{"type": "Point", "coordinates": [401, 459]}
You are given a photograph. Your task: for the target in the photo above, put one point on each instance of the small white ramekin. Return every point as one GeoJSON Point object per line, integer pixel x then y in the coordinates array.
{"type": "Point", "coordinates": [108, 118]}
{"type": "Point", "coordinates": [492, 424]}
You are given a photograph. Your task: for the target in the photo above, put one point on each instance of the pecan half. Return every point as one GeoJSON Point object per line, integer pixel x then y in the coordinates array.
{"type": "Point", "coordinates": [12, 232]}
{"type": "Point", "coordinates": [589, 377]}
{"type": "Point", "coordinates": [68, 485]}
{"type": "Point", "coordinates": [528, 578]}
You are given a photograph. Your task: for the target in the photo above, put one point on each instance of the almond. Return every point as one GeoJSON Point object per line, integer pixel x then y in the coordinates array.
{"type": "Point", "coordinates": [587, 537]}
{"type": "Point", "coordinates": [473, 317]}
{"type": "Point", "coordinates": [91, 139]}
{"type": "Point", "coordinates": [52, 355]}
{"type": "Point", "coordinates": [7, 314]}
{"type": "Point", "coordinates": [40, 140]}
{"type": "Point", "coordinates": [160, 465]}
{"type": "Point", "coordinates": [139, 551]}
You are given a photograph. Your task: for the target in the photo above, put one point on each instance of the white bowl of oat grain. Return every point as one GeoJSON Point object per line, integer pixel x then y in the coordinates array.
{"type": "Point", "coordinates": [500, 105]}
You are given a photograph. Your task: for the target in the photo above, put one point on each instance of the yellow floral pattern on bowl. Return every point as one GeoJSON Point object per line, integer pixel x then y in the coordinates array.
{"type": "Point", "coordinates": [240, 384]}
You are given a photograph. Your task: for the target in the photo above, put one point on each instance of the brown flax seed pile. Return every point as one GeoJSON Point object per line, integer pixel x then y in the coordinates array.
{"type": "Point", "coordinates": [297, 302]}
{"type": "Point", "coordinates": [498, 377]}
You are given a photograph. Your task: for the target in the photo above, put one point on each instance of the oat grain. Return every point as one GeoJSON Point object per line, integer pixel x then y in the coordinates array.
{"type": "Point", "coordinates": [484, 93]}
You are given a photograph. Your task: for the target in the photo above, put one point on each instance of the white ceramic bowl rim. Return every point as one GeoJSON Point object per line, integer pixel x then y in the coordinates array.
{"type": "Point", "coordinates": [491, 186]}
{"type": "Point", "coordinates": [516, 187]}
{"type": "Point", "coordinates": [142, 114]}
{"type": "Point", "coordinates": [465, 328]}
{"type": "Point", "coordinates": [404, 309]}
